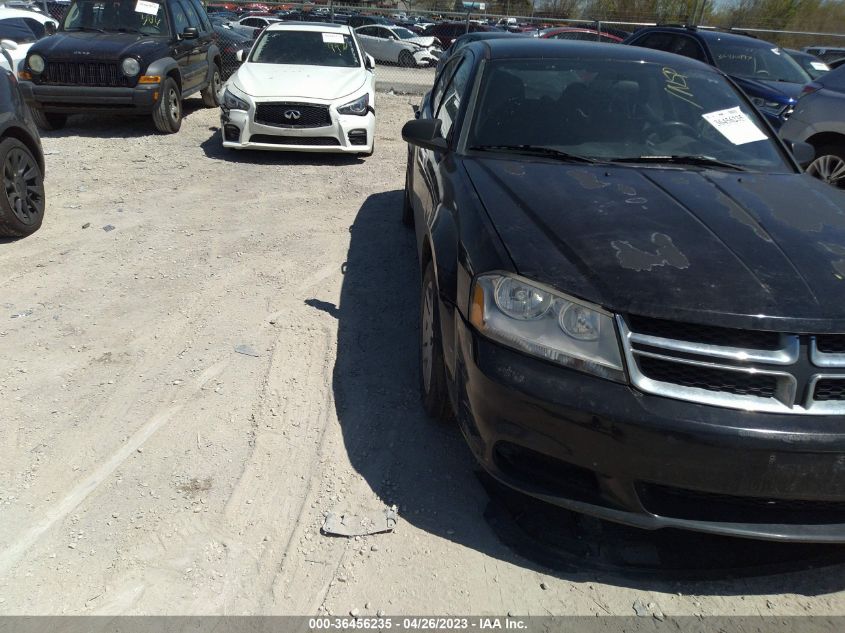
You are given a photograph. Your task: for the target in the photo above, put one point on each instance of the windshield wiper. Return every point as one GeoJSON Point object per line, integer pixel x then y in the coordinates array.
{"type": "Point", "coordinates": [534, 150]}
{"type": "Point", "coordinates": [85, 28]}
{"type": "Point", "coordinates": [678, 159]}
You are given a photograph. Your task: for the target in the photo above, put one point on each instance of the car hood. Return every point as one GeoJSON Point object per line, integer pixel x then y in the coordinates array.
{"type": "Point", "coordinates": [724, 248]}
{"type": "Point", "coordinates": [782, 91]}
{"type": "Point", "coordinates": [98, 46]}
{"type": "Point", "coordinates": [423, 41]}
{"type": "Point", "coordinates": [311, 82]}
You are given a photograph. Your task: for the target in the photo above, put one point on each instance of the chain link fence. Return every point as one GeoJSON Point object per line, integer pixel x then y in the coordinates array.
{"type": "Point", "coordinates": [401, 74]}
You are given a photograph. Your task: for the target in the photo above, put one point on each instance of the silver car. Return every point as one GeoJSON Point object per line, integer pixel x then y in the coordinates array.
{"type": "Point", "coordinates": [819, 119]}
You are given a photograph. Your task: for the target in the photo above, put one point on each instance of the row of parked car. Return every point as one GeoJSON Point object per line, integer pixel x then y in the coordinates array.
{"type": "Point", "coordinates": [630, 292]}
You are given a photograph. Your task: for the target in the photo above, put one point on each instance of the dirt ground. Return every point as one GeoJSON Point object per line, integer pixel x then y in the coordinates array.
{"type": "Point", "coordinates": [147, 467]}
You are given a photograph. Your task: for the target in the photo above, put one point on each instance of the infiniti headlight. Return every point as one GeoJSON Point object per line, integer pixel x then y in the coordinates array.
{"type": "Point", "coordinates": [130, 67]}
{"type": "Point", "coordinates": [36, 63]}
{"type": "Point", "coordinates": [538, 321]}
{"type": "Point", "coordinates": [233, 102]}
{"type": "Point", "coordinates": [359, 107]}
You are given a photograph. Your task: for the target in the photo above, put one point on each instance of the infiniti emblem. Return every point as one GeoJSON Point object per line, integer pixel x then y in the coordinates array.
{"type": "Point", "coordinates": [292, 115]}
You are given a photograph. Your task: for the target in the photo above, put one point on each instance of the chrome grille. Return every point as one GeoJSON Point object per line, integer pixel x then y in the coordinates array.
{"type": "Point", "coordinates": [739, 369]}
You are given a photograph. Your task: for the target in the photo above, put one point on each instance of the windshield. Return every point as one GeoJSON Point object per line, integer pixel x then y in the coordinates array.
{"type": "Point", "coordinates": [130, 16]}
{"type": "Point", "coordinates": [309, 48]}
{"type": "Point", "coordinates": [753, 61]}
{"type": "Point", "coordinates": [21, 30]}
{"type": "Point", "coordinates": [813, 66]}
{"type": "Point", "coordinates": [404, 34]}
{"type": "Point", "coordinates": [611, 109]}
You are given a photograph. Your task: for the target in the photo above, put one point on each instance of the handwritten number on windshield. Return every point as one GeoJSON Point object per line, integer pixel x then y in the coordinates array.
{"type": "Point", "coordinates": [676, 85]}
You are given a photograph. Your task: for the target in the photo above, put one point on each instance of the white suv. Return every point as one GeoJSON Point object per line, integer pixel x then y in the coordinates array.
{"type": "Point", "coordinates": [303, 87]}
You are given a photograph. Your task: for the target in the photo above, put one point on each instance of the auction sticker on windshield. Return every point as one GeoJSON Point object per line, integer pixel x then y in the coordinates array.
{"type": "Point", "coordinates": [332, 38]}
{"type": "Point", "coordinates": [735, 126]}
{"type": "Point", "coordinates": [150, 8]}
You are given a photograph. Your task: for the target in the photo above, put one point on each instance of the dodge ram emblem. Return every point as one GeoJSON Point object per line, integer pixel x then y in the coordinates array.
{"type": "Point", "coordinates": [292, 115]}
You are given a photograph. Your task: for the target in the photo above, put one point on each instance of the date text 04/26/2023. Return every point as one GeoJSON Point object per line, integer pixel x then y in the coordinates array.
{"type": "Point", "coordinates": [485, 623]}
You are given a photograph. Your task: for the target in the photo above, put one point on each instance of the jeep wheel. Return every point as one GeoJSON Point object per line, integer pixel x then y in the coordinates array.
{"type": "Point", "coordinates": [210, 98]}
{"type": "Point", "coordinates": [22, 198]}
{"type": "Point", "coordinates": [167, 115]}
{"type": "Point", "coordinates": [48, 120]}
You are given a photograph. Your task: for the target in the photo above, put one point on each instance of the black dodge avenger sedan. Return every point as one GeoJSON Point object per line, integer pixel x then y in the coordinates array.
{"type": "Point", "coordinates": [632, 298]}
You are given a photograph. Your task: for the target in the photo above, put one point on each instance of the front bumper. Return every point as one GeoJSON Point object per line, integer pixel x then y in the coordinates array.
{"type": "Point", "coordinates": [347, 133]}
{"type": "Point", "coordinates": [607, 450]}
{"type": "Point", "coordinates": [427, 56]}
{"type": "Point", "coordinates": [73, 99]}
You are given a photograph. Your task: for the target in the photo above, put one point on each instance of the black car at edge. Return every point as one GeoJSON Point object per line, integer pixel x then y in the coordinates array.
{"type": "Point", "coordinates": [22, 201]}
{"type": "Point", "coordinates": [631, 296]}
{"type": "Point", "coordinates": [124, 56]}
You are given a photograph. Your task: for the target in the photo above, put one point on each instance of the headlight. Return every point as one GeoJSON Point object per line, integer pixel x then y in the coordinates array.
{"type": "Point", "coordinates": [546, 324]}
{"type": "Point", "coordinates": [36, 63]}
{"type": "Point", "coordinates": [232, 102]}
{"type": "Point", "coordinates": [359, 107]}
{"type": "Point", "coordinates": [770, 106]}
{"type": "Point", "coordinates": [130, 67]}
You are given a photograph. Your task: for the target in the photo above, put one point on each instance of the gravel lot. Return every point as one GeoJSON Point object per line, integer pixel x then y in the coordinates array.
{"type": "Point", "coordinates": [147, 467]}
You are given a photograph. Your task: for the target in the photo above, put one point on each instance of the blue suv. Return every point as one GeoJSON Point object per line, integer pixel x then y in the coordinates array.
{"type": "Point", "coordinates": [767, 74]}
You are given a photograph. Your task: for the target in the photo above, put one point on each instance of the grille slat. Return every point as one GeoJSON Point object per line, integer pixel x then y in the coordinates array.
{"type": "Point", "coordinates": [285, 115]}
{"type": "Point", "coordinates": [84, 74]}
{"type": "Point", "coordinates": [326, 141]}
{"type": "Point", "coordinates": [706, 334]}
{"type": "Point", "coordinates": [699, 377]}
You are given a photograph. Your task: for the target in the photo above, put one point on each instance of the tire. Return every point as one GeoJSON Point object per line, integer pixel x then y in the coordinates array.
{"type": "Point", "coordinates": [435, 397]}
{"type": "Point", "coordinates": [210, 98]}
{"type": "Point", "coordinates": [48, 120]}
{"type": "Point", "coordinates": [406, 59]}
{"type": "Point", "coordinates": [829, 165]}
{"type": "Point", "coordinates": [167, 114]}
{"type": "Point", "coordinates": [22, 197]}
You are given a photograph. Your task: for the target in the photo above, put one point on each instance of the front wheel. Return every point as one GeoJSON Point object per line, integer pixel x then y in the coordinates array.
{"type": "Point", "coordinates": [167, 114]}
{"type": "Point", "coordinates": [22, 198]}
{"type": "Point", "coordinates": [210, 94]}
{"type": "Point", "coordinates": [435, 397]}
{"type": "Point", "coordinates": [829, 165]}
{"type": "Point", "coordinates": [406, 59]}
{"type": "Point", "coordinates": [48, 120]}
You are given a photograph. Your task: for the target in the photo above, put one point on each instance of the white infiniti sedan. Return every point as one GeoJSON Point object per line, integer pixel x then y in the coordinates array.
{"type": "Point", "coordinates": [304, 88]}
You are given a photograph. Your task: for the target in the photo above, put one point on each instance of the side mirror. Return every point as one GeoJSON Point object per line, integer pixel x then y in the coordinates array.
{"type": "Point", "coordinates": [424, 133]}
{"type": "Point", "coordinates": [239, 55]}
{"type": "Point", "coordinates": [804, 153]}
{"type": "Point", "coordinates": [50, 28]}
{"type": "Point", "coordinates": [190, 33]}
{"type": "Point", "coordinates": [5, 47]}
{"type": "Point", "coordinates": [369, 61]}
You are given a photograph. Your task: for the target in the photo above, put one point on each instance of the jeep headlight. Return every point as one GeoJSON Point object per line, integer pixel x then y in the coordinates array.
{"type": "Point", "coordinates": [36, 63]}
{"type": "Point", "coordinates": [539, 321]}
{"type": "Point", "coordinates": [359, 107]}
{"type": "Point", "coordinates": [233, 102]}
{"type": "Point", "coordinates": [130, 67]}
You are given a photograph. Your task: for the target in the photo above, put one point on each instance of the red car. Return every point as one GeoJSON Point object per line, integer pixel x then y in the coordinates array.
{"type": "Point", "coordinates": [577, 33]}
